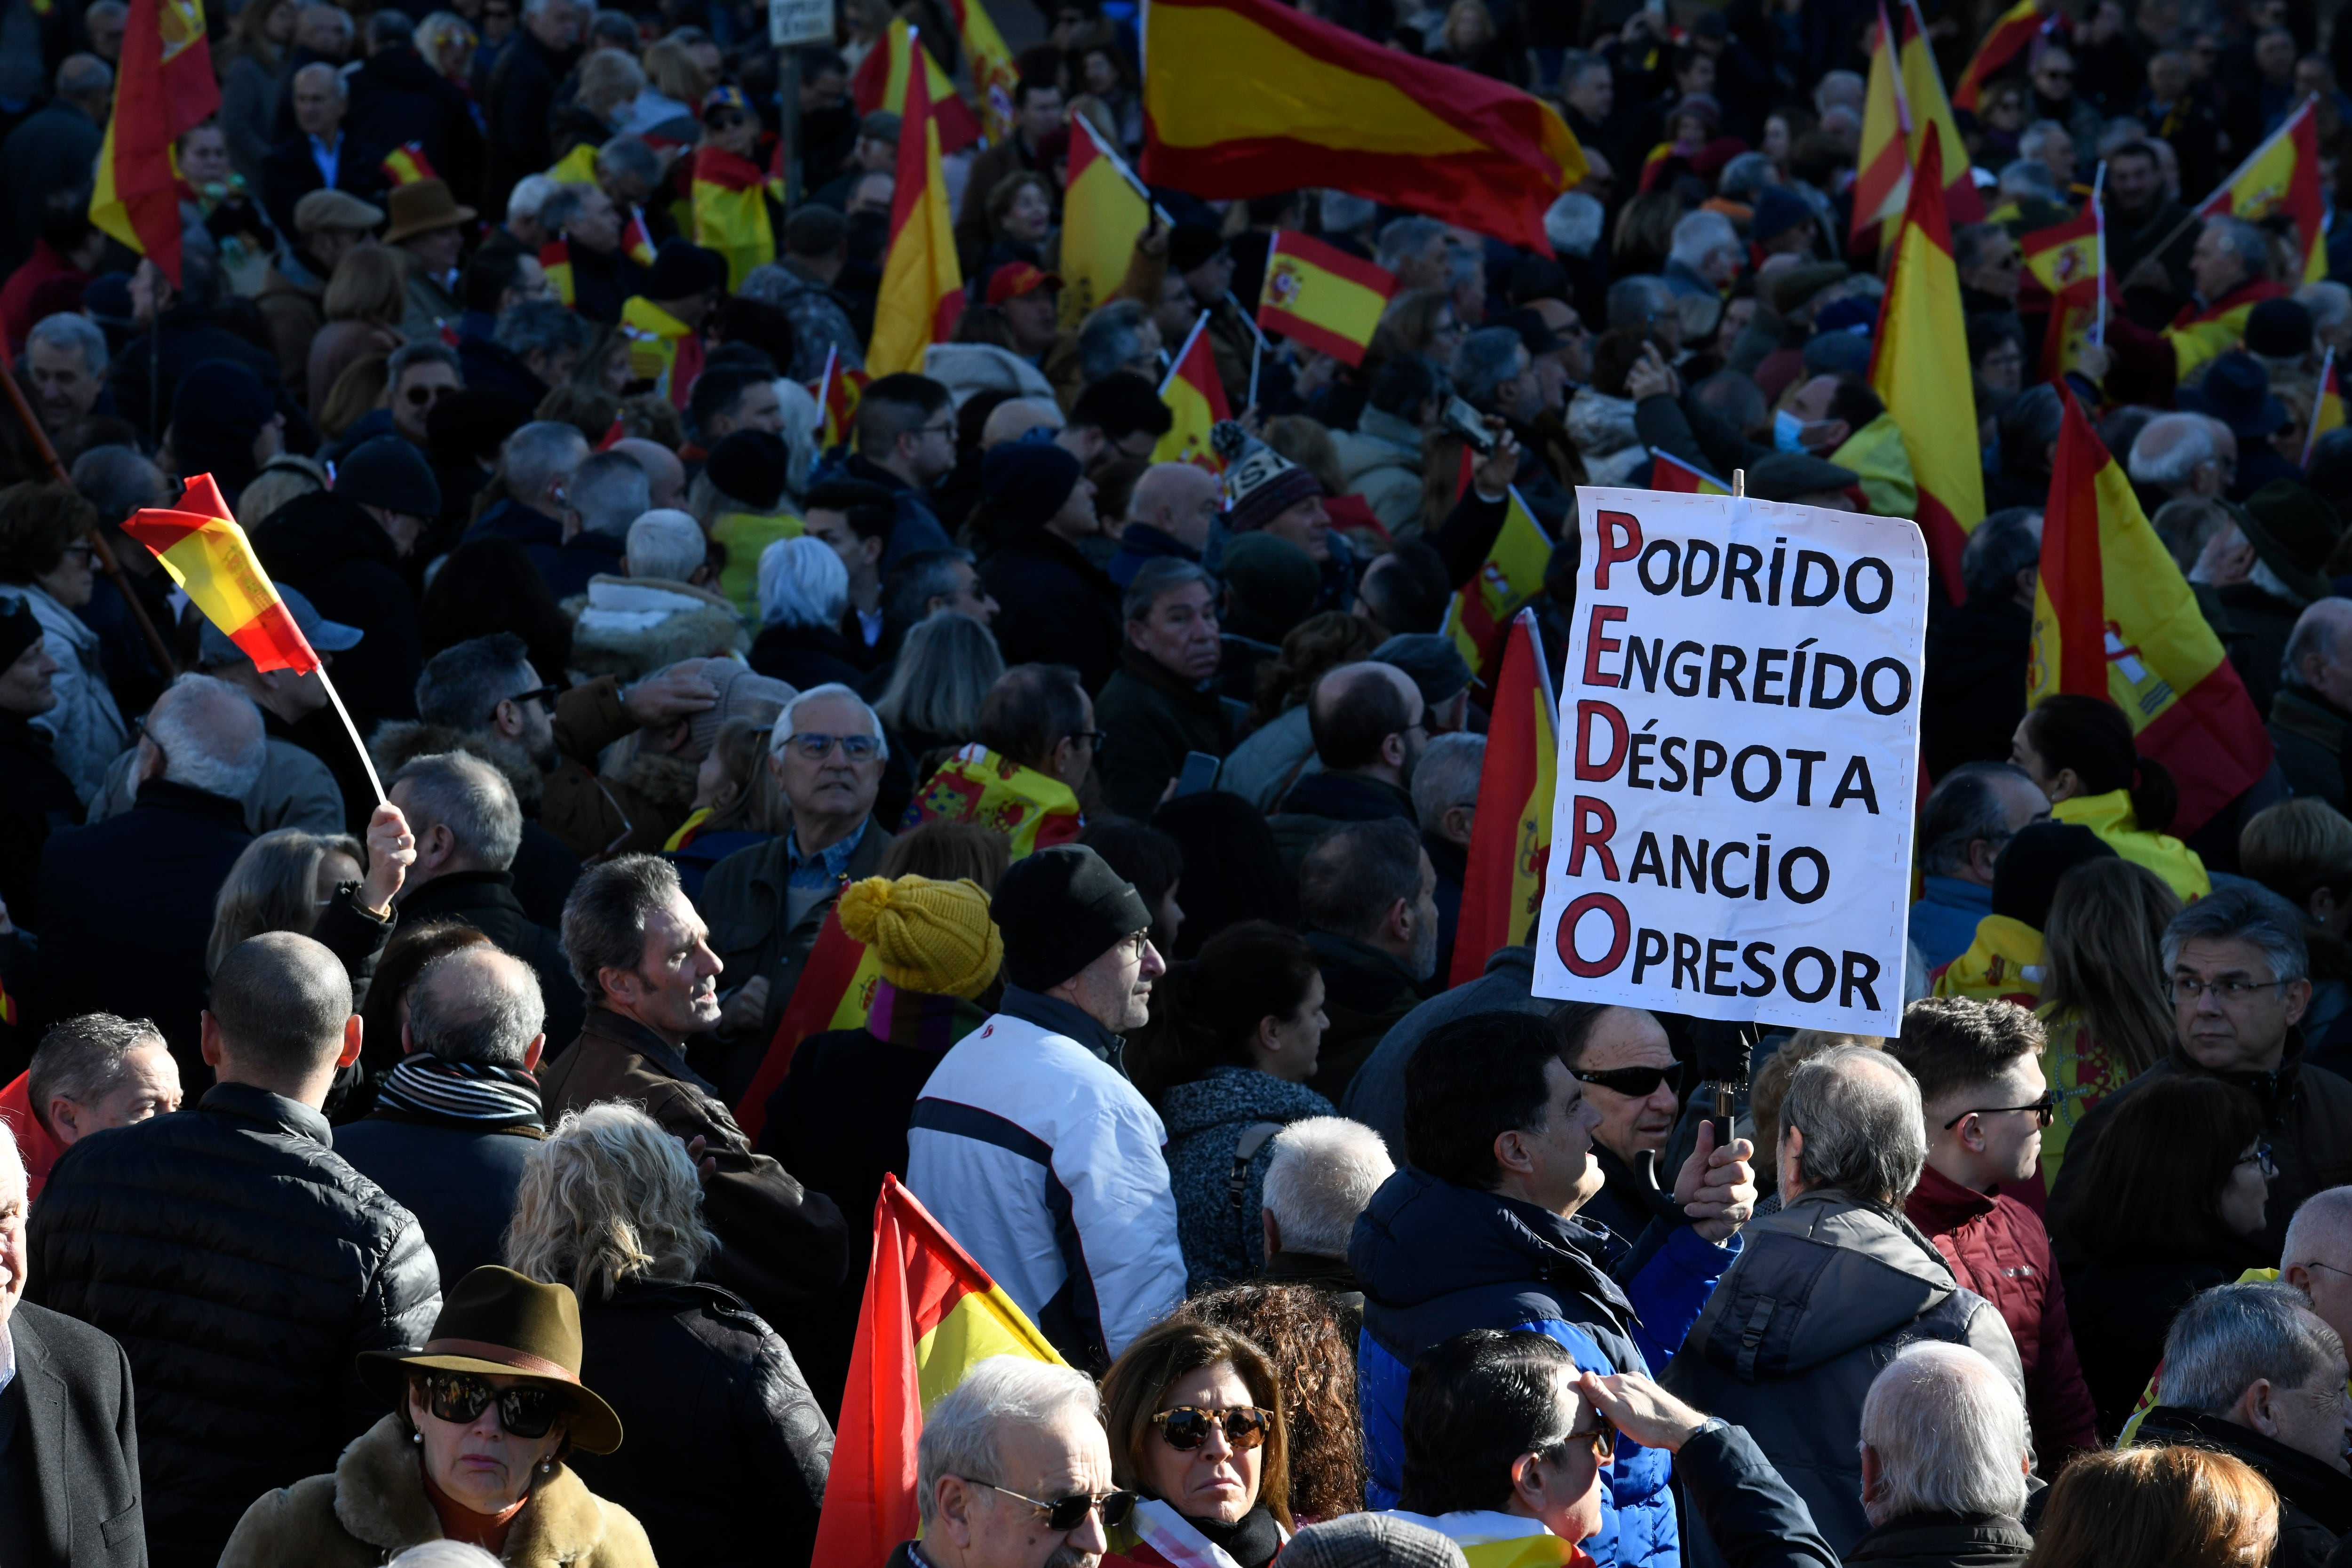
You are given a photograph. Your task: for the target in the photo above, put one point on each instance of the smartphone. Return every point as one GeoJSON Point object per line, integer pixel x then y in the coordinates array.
{"type": "Point", "coordinates": [1200, 774]}
{"type": "Point", "coordinates": [1470, 425]}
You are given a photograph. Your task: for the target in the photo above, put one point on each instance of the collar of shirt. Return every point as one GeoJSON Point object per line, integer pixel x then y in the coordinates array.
{"type": "Point", "coordinates": [328, 155]}
{"type": "Point", "coordinates": [7, 1358]}
{"type": "Point", "coordinates": [828, 868]}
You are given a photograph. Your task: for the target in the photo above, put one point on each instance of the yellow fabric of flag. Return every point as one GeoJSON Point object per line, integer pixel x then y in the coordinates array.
{"type": "Point", "coordinates": [921, 279]}
{"type": "Point", "coordinates": [1103, 211]}
{"type": "Point", "coordinates": [1197, 399]}
{"type": "Point", "coordinates": [1478, 617]}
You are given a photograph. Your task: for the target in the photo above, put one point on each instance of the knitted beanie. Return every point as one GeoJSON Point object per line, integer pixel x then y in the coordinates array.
{"type": "Point", "coordinates": [1261, 484]}
{"type": "Point", "coordinates": [931, 937]}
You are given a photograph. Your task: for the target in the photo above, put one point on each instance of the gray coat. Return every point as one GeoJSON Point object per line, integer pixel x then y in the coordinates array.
{"type": "Point", "coordinates": [295, 789]}
{"type": "Point", "coordinates": [1823, 1295]}
{"type": "Point", "coordinates": [1278, 755]}
{"type": "Point", "coordinates": [76, 1413]}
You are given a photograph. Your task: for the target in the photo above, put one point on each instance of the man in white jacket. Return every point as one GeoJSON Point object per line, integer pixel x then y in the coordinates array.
{"type": "Point", "coordinates": [1030, 1146]}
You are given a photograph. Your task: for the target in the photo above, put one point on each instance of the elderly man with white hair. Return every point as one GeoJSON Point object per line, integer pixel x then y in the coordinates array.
{"type": "Point", "coordinates": [1012, 1471]}
{"type": "Point", "coordinates": [1324, 1173]}
{"type": "Point", "coordinates": [65, 360]}
{"type": "Point", "coordinates": [1705, 256]}
{"type": "Point", "coordinates": [665, 606]}
{"type": "Point", "coordinates": [2315, 701]}
{"type": "Point", "coordinates": [1945, 1454]}
{"type": "Point", "coordinates": [2182, 455]}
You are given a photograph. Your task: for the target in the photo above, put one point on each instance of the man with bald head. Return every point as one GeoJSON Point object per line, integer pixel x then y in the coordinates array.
{"type": "Point", "coordinates": [1370, 724]}
{"type": "Point", "coordinates": [304, 1264]}
{"type": "Point", "coordinates": [2314, 702]}
{"type": "Point", "coordinates": [2181, 456]}
{"type": "Point", "coordinates": [459, 1112]}
{"type": "Point", "coordinates": [318, 156]}
{"type": "Point", "coordinates": [1172, 509]}
{"type": "Point", "coordinates": [1015, 418]}
{"type": "Point", "coordinates": [664, 475]}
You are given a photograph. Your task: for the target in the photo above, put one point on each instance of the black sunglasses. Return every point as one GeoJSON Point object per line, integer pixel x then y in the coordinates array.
{"type": "Point", "coordinates": [525, 1412]}
{"type": "Point", "coordinates": [543, 695]}
{"type": "Point", "coordinates": [2045, 1110]}
{"type": "Point", "coordinates": [1186, 1427]}
{"type": "Point", "coordinates": [1064, 1515]}
{"type": "Point", "coordinates": [1639, 1082]}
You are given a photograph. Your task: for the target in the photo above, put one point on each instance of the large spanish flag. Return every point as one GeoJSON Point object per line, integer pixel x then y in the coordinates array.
{"type": "Point", "coordinates": [209, 557]}
{"type": "Point", "coordinates": [2114, 618]}
{"type": "Point", "coordinates": [1930, 111]}
{"type": "Point", "coordinates": [923, 282]}
{"type": "Point", "coordinates": [2003, 42]}
{"type": "Point", "coordinates": [991, 63]}
{"type": "Point", "coordinates": [1104, 209]}
{"type": "Point", "coordinates": [883, 77]}
{"type": "Point", "coordinates": [1319, 295]}
{"type": "Point", "coordinates": [1510, 837]}
{"type": "Point", "coordinates": [1479, 614]}
{"type": "Point", "coordinates": [2280, 178]}
{"type": "Point", "coordinates": [1920, 369]}
{"type": "Point", "coordinates": [930, 1315]}
{"type": "Point", "coordinates": [1246, 98]}
{"type": "Point", "coordinates": [166, 87]}
{"type": "Point", "coordinates": [730, 209]}
{"type": "Point", "coordinates": [1197, 399]}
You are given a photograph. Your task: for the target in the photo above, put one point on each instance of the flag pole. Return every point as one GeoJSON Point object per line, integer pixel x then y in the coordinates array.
{"type": "Point", "coordinates": [2311, 426]}
{"type": "Point", "coordinates": [351, 730]}
{"type": "Point", "coordinates": [2099, 219]}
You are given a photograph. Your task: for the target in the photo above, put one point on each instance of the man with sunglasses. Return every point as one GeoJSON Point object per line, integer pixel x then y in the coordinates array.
{"type": "Point", "coordinates": [1013, 1471]}
{"type": "Point", "coordinates": [1633, 1081]}
{"type": "Point", "coordinates": [1978, 1066]}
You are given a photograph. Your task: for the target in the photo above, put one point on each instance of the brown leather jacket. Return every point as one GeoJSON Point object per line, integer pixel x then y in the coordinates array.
{"type": "Point", "coordinates": [595, 816]}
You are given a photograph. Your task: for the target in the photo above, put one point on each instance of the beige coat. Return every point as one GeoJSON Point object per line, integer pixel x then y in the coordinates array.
{"type": "Point", "coordinates": [375, 1507]}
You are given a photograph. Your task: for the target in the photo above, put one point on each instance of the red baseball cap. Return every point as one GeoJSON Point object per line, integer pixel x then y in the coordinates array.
{"type": "Point", "coordinates": [1015, 279]}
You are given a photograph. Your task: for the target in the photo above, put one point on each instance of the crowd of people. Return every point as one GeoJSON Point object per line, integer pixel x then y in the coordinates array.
{"type": "Point", "coordinates": [795, 780]}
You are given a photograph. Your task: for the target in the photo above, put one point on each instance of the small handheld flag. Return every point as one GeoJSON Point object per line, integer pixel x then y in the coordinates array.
{"type": "Point", "coordinates": [208, 556]}
{"type": "Point", "coordinates": [1322, 296]}
{"type": "Point", "coordinates": [407, 164]}
{"type": "Point", "coordinates": [638, 240]}
{"type": "Point", "coordinates": [2327, 410]}
{"type": "Point", "coordinates": [1197, 399]}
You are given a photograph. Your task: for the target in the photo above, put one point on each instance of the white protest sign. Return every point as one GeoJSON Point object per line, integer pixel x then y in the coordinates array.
{"type": "Point", "coordinates": [1738, 755]}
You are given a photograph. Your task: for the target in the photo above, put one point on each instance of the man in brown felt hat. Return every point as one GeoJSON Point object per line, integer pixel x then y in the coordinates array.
{"type": "Point", "coordinates": [428, 223]}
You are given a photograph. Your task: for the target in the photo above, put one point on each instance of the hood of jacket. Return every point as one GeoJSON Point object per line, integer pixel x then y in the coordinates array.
{"type": "Point", "coordinates": [314, 532]}
{"type": "Point", "coordinates": [630, 627]}
{"type": "Point", "coordinates": [1421, 1238]}
{"type": "Point", "coordinates": [1820, 1278]}
{"type": "Point", "coordinates": [399, 742]}
{"type": "Point", "coordinates": [1229, 1094]}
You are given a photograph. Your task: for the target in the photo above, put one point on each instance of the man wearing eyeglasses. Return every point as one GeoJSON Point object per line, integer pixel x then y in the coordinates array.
{"type": "Point", "coordinates": [1013, 1471]}
{"type": "Point", "coordinates": [905, 444]}
{"type": "Point", "coordinates": [1978, 1065]}
{"type": "Point", "coordinates": [2240, 975]}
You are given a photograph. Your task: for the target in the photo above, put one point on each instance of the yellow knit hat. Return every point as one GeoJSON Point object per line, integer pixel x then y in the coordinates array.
{"type": "Point", "coordinates": [932, 937]}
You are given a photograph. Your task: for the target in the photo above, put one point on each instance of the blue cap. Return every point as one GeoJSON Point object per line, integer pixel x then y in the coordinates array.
{"type": "Point", "coordinates": [326, 636]}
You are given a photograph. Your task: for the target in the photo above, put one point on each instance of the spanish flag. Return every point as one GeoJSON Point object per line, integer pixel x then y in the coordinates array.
{"type": "Point", "coordinates": [1923, 93]}
{"type": "Point", "coordinates": [2327, 411]}
{"type": "Point", "coordinates": [1246, 98]}
{"type": "Point", "coordinates": [555, 260]}
{"type": "Point", "coordinates": [1197, 398]}
{"type": "Point", "coordinates": [2066, 262]}
{"type": "Point", "coordinates": [1479, 614]}
{"type": "Point", "coordinates": [1920, 370]}
{"type": "Point", "coordinates": [638, 240]}
{"type": "Point", "coordinates": [993, 71]}
{"type": "Point", "coordinates": [837, 392]}
{"type": "Point", "coordinates": [2114, 618]}
{"type": "Point", "coordinates": [1320, 295]}
{"type": "Point", "coordinates": [1034, 810]}
{"type": "Point", "coordinates": [662, 348]}
{"type": "Point", "coordinates": [577, 167]}
{"type": "Point", "coordinates": [1502, 891]}
{"type": "Point", "coordinates": [2281, 179]}
{"type": "Point", "coordinates": [165, 87]}
{"type": "Point", "coordinates": [883, 76]}
{"type": "Point", "coordinates": [1104, 209]}
{"type": "Point", "coordinates": [923, 282]}
{"type": "Point", "coordinates": [1673, 475]}
{"type": "Point", "coordinates": [730, 212]}
{"type": "Point", "coordinates": [1493, 1540]}
{"type": "Point", "coordinates": [930, 1315]}
{"type": "Point", "coordinates": [407, 164]}
{"type": "Point", "coordinates": [209, 557]}
{"type": "Point", "coordinates": [1882, 181]}
{"type": "Point", "coordinates": [2003, 42]}
{"type": "Point", "coordinates": [835, 991]}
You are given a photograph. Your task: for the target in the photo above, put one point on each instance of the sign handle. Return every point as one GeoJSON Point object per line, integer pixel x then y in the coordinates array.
{"type": "Point", "coordinates": [1740, 484]}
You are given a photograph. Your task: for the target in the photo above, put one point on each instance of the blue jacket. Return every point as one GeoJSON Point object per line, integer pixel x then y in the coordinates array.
{"type": "Point", "coordinates": [1436, 1260]}
{"type": "Point", "coordinates": [1944, 922]}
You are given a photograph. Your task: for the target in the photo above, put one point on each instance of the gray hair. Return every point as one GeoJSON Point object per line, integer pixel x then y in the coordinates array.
{"type": "Point", "coordinates": [1572, 223]}
{"type": "Point", "coordinates": [13, 1176]}
{"type": "Point", "coordinates": [539, 326]}
{"type": "Point", "coordinates": [945, 669]}
{"type": "Point", "coordinates": [607, 1195]}
{"type": "Point", "coordinates": [1111, 338]}
{"type": "Point", "coordinates": [118, 481]}
{"type": "Point", "coordinates": [1323, 1174]}
{"type": "Point", "coordinates": [2324, 1218]}
{"type": "Point", "coordinates": [801, 584]}
{"type": "Point", "coordinates": [83, 76]}
{"type": "Point", "coordinates": [2035, 139]}
{"type": "Point", "coordinates": [443, 1554]}
{"type": "Point", "coordinates": [82, 1058]}
{"type": "Point", "coordinates": [2023, 179]}
{"type": "Point", "coordinates": [666, 543]}
{"type": "Point", "coordinates": [408, 356]}
{"type": "Point", "coordinates": [1745, 177]}
{"type": "Point", "coordinates": [1159, 577]}
{"type": "Point", "coordinates": [2250, 914]}
{"type": "Point", "coordinates": [560, 205]}
{"type": "Point", "coordinates": [605, 913]}
{"type": "Point", "coordinates": [529, 197]}
{"type": "Point", "coordinates": [1405, 238]}
{"type": "Point", "coordinates": [478, 1006]}
{"type": "Point", "coordinates": [2317, 634]}
{"type": "Point", "coordinates": [962, 1432]}
{"type": "Point", "coordinates": [787, 721]}
{"type": "Point", "coordinates": [2328, 301]}
{"type": "Point", "coordinates": [2252, 249]}
{"type": "Point", "coordinates": [1699, 234]}
{"type": "Point", "coordinates": [2228, 1337]}
{"type": "Point", "coordinates": [538, 454]}
{"type": "Point", "coordinates": [334, 76]}
{"type": "Point", "coordinates": [609, 491]}
{"type": "Point", "coordinates": [462, 685]}
{"type": "Point", "coordinates": [1486, 358]}
{"type": "Point", "coordinates": [210, 735]}
{"type": "Point", "coordinates": [1999, 547]}
{"type": "Point", "coordinates": [1950, 1434]}
{"type": "Point", "coordinates": [925, 575]}
{"type": "Point", "coordinates": [1864, 1133]}
{"type": "Point", "coordinates": [1448, 776]}
{"type": "Point", "coordinates": [1963, 807]}
{"type": "Point", "coordinates": [470, 798]}
{"type": "Point", "coordinates": [2169, 448]}
{"type": "Point", "coordinates": [628, 158]}
{"type": "Point", "coordinates": [66, 330]}
{"type": "Point", "coordinates": [1638, 300]}
{"type": "Point", "coordinates": [1341, 213]}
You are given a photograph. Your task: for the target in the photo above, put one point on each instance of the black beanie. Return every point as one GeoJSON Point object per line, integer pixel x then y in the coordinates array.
{"type": "Point", "coordinates": [18, 630]}
{"type": "Point", "coordinates": [750, 467]}
{"type": "Point", "coordinates": [1059, 910]}
{"type": "Point", "coordinates": [2025, 874]}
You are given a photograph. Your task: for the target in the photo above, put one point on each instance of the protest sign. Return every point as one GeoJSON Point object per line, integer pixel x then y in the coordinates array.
{"type": "Point", "coordinates": [1739, 734]}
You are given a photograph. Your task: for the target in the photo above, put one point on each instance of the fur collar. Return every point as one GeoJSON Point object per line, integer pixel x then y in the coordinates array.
{"type": "Point", "coordinates": [380, 1500]}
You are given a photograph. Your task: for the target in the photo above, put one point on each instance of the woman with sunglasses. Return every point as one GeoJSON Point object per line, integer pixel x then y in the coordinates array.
{"type": "Point", "coordinates": [1194, 1415]}
{"type": "Point", "coordinates": [2172, 1200]}
{"type": "Point", "coordinates": [483, 1418]}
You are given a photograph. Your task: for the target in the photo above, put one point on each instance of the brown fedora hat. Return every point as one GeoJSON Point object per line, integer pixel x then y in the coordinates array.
{"type": "Point", "coordinates": [420, 207]}
{"type": "Point", "coordinates": [496, 1323]}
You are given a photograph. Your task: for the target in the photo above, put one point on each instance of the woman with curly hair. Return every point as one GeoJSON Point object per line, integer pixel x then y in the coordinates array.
{"type": "Point", "coordinates": [1300, 1329]}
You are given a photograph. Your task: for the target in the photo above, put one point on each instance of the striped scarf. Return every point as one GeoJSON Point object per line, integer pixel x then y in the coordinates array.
{"type": "Point", "coordinates": [424, 1085]}
{"type": "Point", "coordinates": [1165, 1539]}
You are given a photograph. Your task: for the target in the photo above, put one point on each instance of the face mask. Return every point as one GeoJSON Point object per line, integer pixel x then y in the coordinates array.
{"type": "Point", "coordinates": [1788, 432]}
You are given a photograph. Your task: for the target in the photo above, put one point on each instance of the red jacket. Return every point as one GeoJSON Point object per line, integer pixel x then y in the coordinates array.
{"type": "Point", "coordinates": [1996, 1248]}
{"type": "Point", "coordinates": [40, 1151]}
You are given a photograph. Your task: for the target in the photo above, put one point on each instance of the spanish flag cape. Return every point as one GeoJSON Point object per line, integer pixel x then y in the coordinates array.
{"type": "Point", "coordinates": [662, 348]}
{"type": "Point", "coordinates": [2202, 332]}
{"type": "Point", "coordinates": [1032, 809]}
{"type": "Point", "coordinates": [1492, 1539]}
{"type": "Point", "coordinates": [2004, 964]}
{"type": "Point", "coordinates": [730, 211]}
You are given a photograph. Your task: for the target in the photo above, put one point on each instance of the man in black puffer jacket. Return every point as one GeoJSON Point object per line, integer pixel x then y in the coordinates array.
{"type": "Point", "coordinates": [238, 1259]}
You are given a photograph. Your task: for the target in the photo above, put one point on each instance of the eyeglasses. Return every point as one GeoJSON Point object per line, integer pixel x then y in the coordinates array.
{"type": "Point", "coordinates": [527, 1411]}
{"type": "Point", "coordinates": [1602, 1439]}
{"type": "Point", "coordinates": [1094, 738]}
{"type": "Point", "coordinates": [2045, 1110]}
{"type": "Point", "coordinates": [816, 747]}
{"type": "Point", "coordinates": [2260, 1160]}
{"type": "Point", "coordinates": [1064, 1515]}
{"type": "Point", "coordinates": [947, 429]}
{"type": "Point", "coordinates": [83, 553]}
{"type": "Point", "coordinates": [543, 695]}
{"type": "Point", "coordinates": [1638, 1083]}
{"type": "Point", "coordinates": [426, 396]}
{"type": "Point", "coordinates": [2188, 988]}
{"type": "Point", "coordinates": [1186, 1426]}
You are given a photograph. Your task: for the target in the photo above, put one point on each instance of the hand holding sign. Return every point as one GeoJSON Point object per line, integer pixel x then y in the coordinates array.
{"type": "Point", "coordinates": [1717, 1186]}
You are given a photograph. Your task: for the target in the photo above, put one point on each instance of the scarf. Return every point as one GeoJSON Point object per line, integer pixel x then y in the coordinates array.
{"type": "Point", "coordinates": [1164, 1536]}
{"type": "Point", "coordinates": [423, 1085]}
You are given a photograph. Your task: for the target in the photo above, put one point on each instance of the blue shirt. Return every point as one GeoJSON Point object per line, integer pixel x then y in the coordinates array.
{"type": "Point", "coordinates": [1945, 921]}
{"type": "Point", "coordinates": [825, 871]}
{"type": "Point", "coordinates": [328, 157]}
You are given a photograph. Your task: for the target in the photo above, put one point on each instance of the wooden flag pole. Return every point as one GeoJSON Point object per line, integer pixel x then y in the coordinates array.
{"type": "Point", "coordinates": [351, 730]}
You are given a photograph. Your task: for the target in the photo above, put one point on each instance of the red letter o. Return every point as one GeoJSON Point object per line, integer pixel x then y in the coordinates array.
{"type": "Point", "coordinates": [1592, 969]}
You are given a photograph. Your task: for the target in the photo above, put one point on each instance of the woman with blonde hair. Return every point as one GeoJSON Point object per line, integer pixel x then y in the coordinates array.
{"type": "Point", "coordinates": [737, 804]}
{"type": "Point", "coordinates": [2106, 1008]}
{"type": "Point", "coordinates": [730, 1468]}
{"type": "Point", "coordinates": [2175, 1507]}
{"type": "Point", "coordinates": [365, 302]}
{"type": "Point", "coordinates": [1194, 1412]}
{"type": "Point", "coordinates": [945, 669]}
{"type": "Point", "coordinates": [447, 42]}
